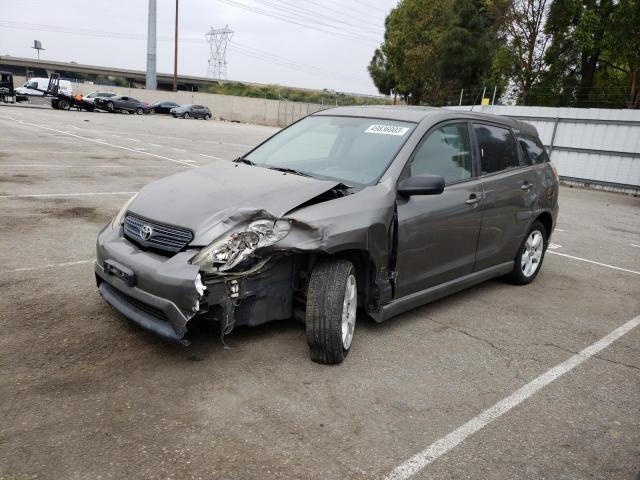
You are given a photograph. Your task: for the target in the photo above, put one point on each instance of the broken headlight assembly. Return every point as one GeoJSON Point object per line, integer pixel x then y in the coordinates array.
{"type": "Point", "coordinates": [230, 250]}
{"type": "Point", "coordinates": [117, 220]}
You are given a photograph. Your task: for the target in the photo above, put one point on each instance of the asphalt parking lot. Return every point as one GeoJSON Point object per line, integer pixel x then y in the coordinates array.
{"type": "Point", "coordinates": [84, 394]}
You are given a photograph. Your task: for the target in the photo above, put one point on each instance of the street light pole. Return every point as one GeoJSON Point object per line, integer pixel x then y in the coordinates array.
{"type": "Point", "coordinates": [151, 82]}
{"type": "Point", "coordinates": [175, 54]}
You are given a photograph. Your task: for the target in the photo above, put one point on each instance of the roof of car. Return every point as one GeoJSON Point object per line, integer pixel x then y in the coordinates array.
{"type": "Point", "coordinates": [418, 114]}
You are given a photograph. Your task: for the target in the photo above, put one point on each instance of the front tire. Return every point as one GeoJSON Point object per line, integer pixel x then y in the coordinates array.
{"type": "Point", "coordinates": [186, 115]}
{"type": "Point", "coordinates": [110, 106]}
{"type": "Point", "coordinates": [529, 258]}
{"type": "Point", "coordinates": [332, 301]}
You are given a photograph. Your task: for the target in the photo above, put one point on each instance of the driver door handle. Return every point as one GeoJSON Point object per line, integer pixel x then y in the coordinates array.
{"type": "Point", "coordinates": [473, 200]}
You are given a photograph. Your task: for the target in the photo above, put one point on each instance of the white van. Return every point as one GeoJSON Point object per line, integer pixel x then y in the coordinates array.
{"type": "Point", "coordinates": [33, 86]}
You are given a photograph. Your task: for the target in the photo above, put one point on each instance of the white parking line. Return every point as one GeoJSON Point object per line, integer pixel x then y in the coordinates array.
{"type": "Point", "coordinates": [57, 152]}
{"type": "Point", "coordinates": [179, 150]}
{"type": "Point", "coordinates": [102, 142]}
{"type": "Point", "coordinates": [209, 156]}
{"type": "Point", "coordinates": [66, 194]}
{"type": "Point", "coordinates": [634, 245]}
{"type": "Point", "coordinates": [133, 139]}
{"type": "Point", "coordinates": [154, 144]}
{"type": "Point", "coordinates": [594, 262]}
{"type": "Point", "coordinates": [52, 265]}
{"type": "Point", "coordinates": [37, 165]}
{"type": "Point", "coordinates": [422, 459]}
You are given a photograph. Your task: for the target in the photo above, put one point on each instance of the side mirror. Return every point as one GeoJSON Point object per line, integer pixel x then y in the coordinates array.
{"type": "Point", "coordinates": [421, 185]}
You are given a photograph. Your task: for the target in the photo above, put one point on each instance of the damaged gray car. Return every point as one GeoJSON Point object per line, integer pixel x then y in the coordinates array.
{"type": "Point", "coordinates": [363, 209]}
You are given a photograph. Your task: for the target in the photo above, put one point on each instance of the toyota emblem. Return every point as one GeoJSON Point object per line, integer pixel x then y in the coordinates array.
{"type": "Point", "coordinates": [146, 232]}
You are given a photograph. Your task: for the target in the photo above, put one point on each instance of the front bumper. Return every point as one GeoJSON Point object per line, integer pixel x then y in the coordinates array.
{"type": "Point", "coordinates": [159, 292]}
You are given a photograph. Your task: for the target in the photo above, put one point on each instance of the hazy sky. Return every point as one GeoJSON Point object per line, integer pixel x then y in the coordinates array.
{"type": "Point", "coordinates": [113, 33]}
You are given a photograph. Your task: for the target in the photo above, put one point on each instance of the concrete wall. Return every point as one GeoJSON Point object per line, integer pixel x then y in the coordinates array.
{"type": "Point", "coordinates": [226, 107]}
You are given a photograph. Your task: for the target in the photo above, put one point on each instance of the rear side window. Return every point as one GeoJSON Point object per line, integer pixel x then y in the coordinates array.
{"type": "Point", "coordinates": [498, 148]}
{"type": "Point", "coordinates": [198, 107]}
{"type": "Point", "coordinates": [445, 152]}
{"type": "Point", "coordinates": [534, 152]}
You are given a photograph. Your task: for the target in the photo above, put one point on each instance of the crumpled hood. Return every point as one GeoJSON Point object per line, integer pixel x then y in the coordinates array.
{"type": "Point", "coordinates": [213, 199]}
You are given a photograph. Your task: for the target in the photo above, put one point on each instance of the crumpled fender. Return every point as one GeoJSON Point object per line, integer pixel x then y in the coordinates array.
{"type": "Point", "coordinates": [357, 221]}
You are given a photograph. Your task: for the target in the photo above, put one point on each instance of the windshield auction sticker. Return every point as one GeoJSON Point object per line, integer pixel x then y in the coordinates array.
{"type": "Point", "coordinates": [387, 130]}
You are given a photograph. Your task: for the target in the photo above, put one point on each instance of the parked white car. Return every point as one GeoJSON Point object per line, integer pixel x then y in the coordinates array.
{"type": "Point", "coordinates": [36, 87]}
{"type": "Point", "coordinates": [90, 97]}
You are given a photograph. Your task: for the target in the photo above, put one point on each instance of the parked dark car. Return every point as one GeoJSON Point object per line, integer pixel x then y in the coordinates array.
{"type": "Point", "coordinates": [191, 111]}
{"type": "Point", "coordinates": [121, 104]}
{"type": "Point", "coordinates": [355, 208]}
{"type": "Point", "coordinates": [163, 107]}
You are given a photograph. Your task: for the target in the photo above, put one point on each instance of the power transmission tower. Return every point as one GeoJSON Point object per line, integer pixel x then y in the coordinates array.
{"type": "Point", "coordinates": [218, 39]}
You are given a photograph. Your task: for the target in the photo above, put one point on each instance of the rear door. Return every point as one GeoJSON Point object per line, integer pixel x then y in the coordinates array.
{"type": "Point", "coordinates": [438, 234]}
{"type": "Point", "coordinates": [509, 194]}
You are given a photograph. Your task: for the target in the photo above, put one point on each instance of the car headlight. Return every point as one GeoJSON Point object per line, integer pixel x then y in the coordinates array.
{"type": "Point", "coordinates": [117, 220]}
{"type": "Point", "coordinates": [231, 249]}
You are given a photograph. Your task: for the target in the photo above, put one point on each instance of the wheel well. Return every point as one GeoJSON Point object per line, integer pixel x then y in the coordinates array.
{"type": "Point", "coordinates": [547, 221]}
{"type": "Point", "coordinates": [365, 272]}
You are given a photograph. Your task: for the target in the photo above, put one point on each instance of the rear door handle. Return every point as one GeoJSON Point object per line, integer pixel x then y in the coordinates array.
{"type": "Point", "coordinates": [526, 186]}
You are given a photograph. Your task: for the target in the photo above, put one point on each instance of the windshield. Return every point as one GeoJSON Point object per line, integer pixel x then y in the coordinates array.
{"type": "Point", "coordinates": [350, 149]}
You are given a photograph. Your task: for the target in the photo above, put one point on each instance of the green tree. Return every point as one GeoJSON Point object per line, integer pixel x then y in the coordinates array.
{"type": "Point", "coordinates": [622, 43]}
{"type": "Point", "coordinates": [381, 73]}
{"type": "Point", "coordinates": [579, 30]}
{"type": "Point", "coordinates": [522, 23]}
{"type": "Point", "coordinates": [432, 48]}
{"type": "Point", "coordinates": [469, 47]}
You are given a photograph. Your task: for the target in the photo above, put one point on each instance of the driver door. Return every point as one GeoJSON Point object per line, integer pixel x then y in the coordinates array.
{"type": "Point", "coordinates": [438, 234]}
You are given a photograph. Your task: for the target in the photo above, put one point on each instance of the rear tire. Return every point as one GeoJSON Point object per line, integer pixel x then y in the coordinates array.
{"type": "Point", "coordinates": [64, 104]}
{"type": "Point", "coordinates": [528, 261]}
{"type": "Point", "coordinates": [332, 299]}
{"type": "Point", "coordinates": [207, 116]}
{"type": "Point", "coordinates": [139, 111]}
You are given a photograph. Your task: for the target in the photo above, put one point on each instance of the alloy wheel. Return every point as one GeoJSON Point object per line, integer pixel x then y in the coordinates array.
{"type": "Point", "coordinates": [349, 307]}
{"type": "Point", "coordinates": [532, 254]}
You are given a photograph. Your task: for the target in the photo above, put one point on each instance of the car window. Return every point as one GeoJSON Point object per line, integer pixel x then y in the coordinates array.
{"type": "Point", "coordinates": [198, 107]}
{"type": "Point", "coordinates": [498, 148]}
{"type": "Point", "coordinates": [533, 149]}
{"type": "Point", "coordinates": [133, 100]}
{"type": "Point", "coordinates": [350, 149]}
{"type": "Point", "coordinates": [445, 152]}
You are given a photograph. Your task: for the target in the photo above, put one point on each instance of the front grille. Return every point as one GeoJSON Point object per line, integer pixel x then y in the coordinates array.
{"type": "Point", "coordinates": [148, 309]}
{"type": "Point", "coordinates": [161, 237]}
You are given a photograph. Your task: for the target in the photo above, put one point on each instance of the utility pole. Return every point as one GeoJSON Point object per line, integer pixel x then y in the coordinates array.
{"type": "Point", "coordinates": [493, 100]}
{"type": "Point", "coordinates": [152, 81]}
{"type": "Point", "coordinates": [175, 54]}
{"type": "Point", "coordinates": [461, 92]}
